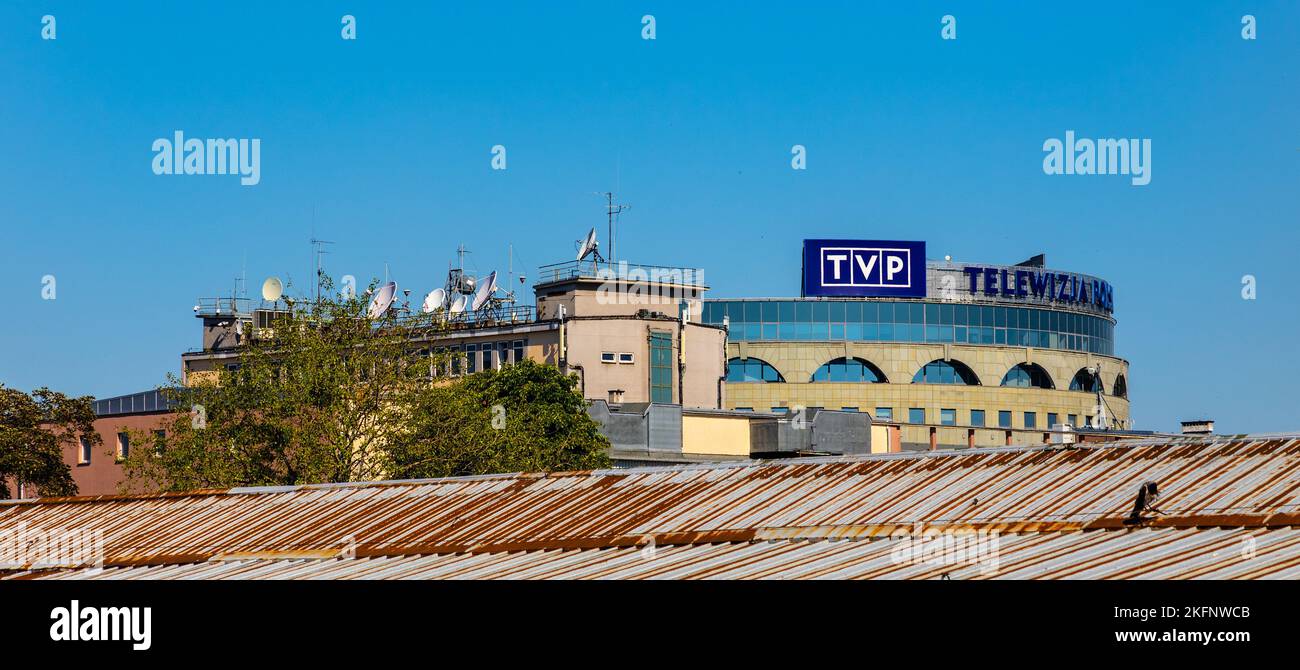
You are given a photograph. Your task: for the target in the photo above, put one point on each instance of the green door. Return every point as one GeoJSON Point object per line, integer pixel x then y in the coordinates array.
{"type": "Point", "coordinates": [661, 366]}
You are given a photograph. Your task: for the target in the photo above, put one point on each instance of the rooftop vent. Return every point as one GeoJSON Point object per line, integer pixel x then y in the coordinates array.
{"type": "Point", "coordinates": [1198, 427]}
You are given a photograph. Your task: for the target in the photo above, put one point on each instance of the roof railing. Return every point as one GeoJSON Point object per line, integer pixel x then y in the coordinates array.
{"type": "Point", "coordinates": [622, 270]}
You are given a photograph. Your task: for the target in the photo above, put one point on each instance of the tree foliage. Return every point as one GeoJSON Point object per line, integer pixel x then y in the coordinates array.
{"type": "Point", "coordinates": [34, 429]}
{"type": "Point", "coordinates": [331, 396]}
{"type": "Point", "coordinates": [524, 417]}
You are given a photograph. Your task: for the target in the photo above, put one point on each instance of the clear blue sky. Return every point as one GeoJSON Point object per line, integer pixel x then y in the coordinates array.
{"type": "Point", "coordinates": [387, 138]}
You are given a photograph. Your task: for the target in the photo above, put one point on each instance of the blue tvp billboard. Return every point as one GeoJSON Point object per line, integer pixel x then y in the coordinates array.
{"type": "Point", "coordinates": [863, 268]}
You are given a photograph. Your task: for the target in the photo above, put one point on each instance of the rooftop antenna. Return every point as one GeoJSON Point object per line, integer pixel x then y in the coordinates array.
{"type": "Point", "coordinates": [612, 211]}
{"type": "Point", "coordinates": [510, 273]}
{"type": "Point", "coordinates": [1103, 418]}
{"type": "Point", "coordinates": [318, 250]}
{"type": "Point", "coordinates": [457, 280]}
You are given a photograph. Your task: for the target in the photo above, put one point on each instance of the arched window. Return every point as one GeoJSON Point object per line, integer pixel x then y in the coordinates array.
{"type": "Point", "coordinates": [1028, 375]}
{"type": "Point", "coordinates": [1084, 380]}
{"type": "Point", "coordinates": [1121, 387]}
{"type": "Point", "coordinates": [849, 370]}
{"type": "Point", "coordinates": [946, 372]}
{"type": "Point", "coordinates": [752, 370]}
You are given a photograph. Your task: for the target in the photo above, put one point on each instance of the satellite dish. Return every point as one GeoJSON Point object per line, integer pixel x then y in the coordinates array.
{"type": "Point", "coordinates": [589, 245]}
{"type": "Point", "coordinates": [458, 305]}
{"type": "Point", "coordinates": [436, 300]}
{"type": "Point", "coordinates": [485, 291]}
{"type": "Point", "coordinates": [383, 300]}
{"type": "Point", "coordinates": [272, 289]}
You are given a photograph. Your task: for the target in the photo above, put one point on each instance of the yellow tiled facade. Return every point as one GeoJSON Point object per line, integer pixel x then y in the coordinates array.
{"type": "Point", "coordinates": [797, 361]}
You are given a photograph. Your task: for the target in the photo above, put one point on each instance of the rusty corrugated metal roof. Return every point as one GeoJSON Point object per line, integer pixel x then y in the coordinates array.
{"type": "Point", "coordinates": [1058, 512]}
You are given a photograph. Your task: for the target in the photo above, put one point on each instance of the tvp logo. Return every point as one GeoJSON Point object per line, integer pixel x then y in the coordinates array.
{"type": "Point", "coordinates": [863, 268]}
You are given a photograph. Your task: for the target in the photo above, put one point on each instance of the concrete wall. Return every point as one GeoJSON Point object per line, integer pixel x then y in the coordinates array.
{"type": "Point", "coordinates": [828, 432]}
{"type": "Point", "coordinates": [588, 338]}
{"type": "Point", "coordinates": [715, 434]}
{"type": "Point", "coordinates": [587, 298]}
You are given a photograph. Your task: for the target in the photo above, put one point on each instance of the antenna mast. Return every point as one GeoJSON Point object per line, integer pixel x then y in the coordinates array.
{"type": "Point", "coordinates": [612, 211]}
{"type": "Point", "coordinates": [318, 250]}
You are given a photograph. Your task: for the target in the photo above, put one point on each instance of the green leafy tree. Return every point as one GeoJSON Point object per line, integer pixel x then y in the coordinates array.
{"type": "Point", "coordinates": [525, 417]}
{"type": "Point", "coordinates": [314, 398]}
{"type": "Point", "coordinates": [329, 395]}
{"type": "Point", "coordinates": [34, 429]}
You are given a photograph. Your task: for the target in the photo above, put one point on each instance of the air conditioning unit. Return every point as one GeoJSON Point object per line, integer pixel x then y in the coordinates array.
{"type": "Point", "coordinates": [1063, 433]}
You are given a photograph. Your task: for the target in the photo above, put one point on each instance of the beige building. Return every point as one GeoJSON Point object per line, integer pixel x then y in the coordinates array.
{"type": "Point", "coordinates": [631, 334]}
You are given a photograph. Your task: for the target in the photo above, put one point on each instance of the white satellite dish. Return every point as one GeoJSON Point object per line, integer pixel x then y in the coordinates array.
{"type": "Point", "coordinates": [458, 305]}
{"type": "Point", "coordinates": [272, 289]}
{"type": "Point", "coordinates": [383, 300]}
{"type": "Point", "coordinates": [589, 245]}
{"type": "Point", "coordinates": [436, 300]}
{"type": "Point", "coordinates": [485, 291]}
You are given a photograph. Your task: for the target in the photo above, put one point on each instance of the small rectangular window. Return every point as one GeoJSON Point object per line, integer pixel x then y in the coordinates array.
{"type": "Point", "coordinates": [123, 446]}
{"type": "Point", "coordinates": [916, 415]}
{"type": "Point", "coordinates": [884, 413]}
{"type": "Point", "coordinates": [625, 357]}
{"type": "Point", "coordinates": [503, 353]}
{"type": "Point", "coordinates": [1073, 420]}
{"type": "Point", "coordinates": [848, 409]}
{"type": "Point", "coordinates": [1052, 419]}
{"type": "Point", "coordinates": [977, 417]}
{"type": "Point", "coordinates": [471, 358]}
{"type": "Point", "coordinates": [780, 410]}
{"type": "Point", "coordinates": [83, 456]}
{"type": "Point", "coordinates": [1004, 418]}
{"type": "Point", "coordinates": [744, 409]}
{"type": "Point", "coordinates": [518, 346]}
{"type": "Point", "coordinates": [607, 357]}
{"type": "Point", "coordinates": [1031, 419]}
{"type": "Point", "coordinates": [948, 417]}
{"type": "Point", "coordinates": [486, 350]}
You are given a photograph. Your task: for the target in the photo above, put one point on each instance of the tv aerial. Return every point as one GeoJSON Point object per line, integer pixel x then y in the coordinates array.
{"type": "Point", "coordinates": [383, 300]}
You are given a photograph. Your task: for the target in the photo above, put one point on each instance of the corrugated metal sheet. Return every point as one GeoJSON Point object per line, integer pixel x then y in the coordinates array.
{"type": "Point", "coordinates": [1229, 504]}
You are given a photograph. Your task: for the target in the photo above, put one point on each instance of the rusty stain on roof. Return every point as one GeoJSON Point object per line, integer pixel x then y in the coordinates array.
{"type": "Point", "coordinates": [1228, 509]}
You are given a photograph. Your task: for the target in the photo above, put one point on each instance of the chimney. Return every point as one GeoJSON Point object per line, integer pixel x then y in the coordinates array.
{"type": "Point", "coordinates": [1198, 427]}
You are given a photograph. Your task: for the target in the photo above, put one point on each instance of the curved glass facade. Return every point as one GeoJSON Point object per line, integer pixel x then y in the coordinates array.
{"type": "Point", "coordinates": [912, 321]}
{"type": "Point", "coordinates": [945, 372]}
{"type": "Point", "coordinates": [752, 370]}
{"type": "Point", "coordinates": [1027, 375]}
{"type": "Point", "coordinates": [849, 370]}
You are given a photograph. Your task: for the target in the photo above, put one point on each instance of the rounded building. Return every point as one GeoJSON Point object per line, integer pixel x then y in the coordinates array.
{"type": "Point", "coordinates": [958, 354]}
